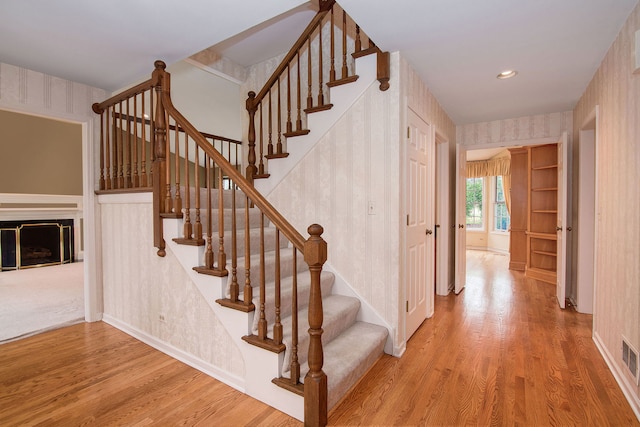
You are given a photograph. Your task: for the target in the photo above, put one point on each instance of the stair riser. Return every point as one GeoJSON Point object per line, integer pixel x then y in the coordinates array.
{"type": "Point", "coordinates": [286, 268]}
{"type": "Point", "coordinates": [269, 242]}
{"type": "Point", "coordinates": [227, 198]}
{"type": "Point", "coordinates": [254, 219]}
{"type": "Point", "coordinates": [304, 289]}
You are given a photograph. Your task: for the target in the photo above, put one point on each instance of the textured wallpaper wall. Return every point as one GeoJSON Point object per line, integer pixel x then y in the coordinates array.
{"type": "Point", "coordinates": [617, 295]}
{"type": "Point", "coordinates": [516, 129]}
{"type": "Point", "coordinates": [139, 286]}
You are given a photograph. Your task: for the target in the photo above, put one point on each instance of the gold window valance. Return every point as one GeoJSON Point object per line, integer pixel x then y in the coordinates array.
{"type": "Point", "coordinates": [491, 167]}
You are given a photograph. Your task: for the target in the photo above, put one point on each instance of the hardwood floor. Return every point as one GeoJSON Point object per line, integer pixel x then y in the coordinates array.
{"type": "Point", "coordinates": [94, 374]}
{"type": "Point", "coordinates": [500, 353]}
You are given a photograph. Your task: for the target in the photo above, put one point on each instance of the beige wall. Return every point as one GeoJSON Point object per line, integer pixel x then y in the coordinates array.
{"type": "Point", "coordinates": [617, 296]}
{"type": "Point", "coordinates": [39, 155]}
{"type": "Point", "coordinates": [139, 286]}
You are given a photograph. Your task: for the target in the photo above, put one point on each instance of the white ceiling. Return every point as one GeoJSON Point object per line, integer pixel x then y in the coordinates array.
{"type": "Point", "coordinates": [457, 47]}
{"type": "Point", "coordinates": [111, 44]}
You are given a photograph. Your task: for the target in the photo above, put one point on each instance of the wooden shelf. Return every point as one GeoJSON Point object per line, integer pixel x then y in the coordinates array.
{"type": "Point", "coordinates": [542, 212]}
{"type": "Point", "coordinates": [545, 253]}
{"type": "Point", "coordinates": [545, 236]}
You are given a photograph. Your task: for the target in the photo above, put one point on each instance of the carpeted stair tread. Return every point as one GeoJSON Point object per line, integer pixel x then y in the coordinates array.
{"type": "Point", "coordinates": [339, 313]}
{"type": "Point", "coordinates": [349, 356]}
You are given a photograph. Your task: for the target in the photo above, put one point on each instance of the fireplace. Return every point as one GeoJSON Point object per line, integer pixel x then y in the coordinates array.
{"type": "Point", "coordinates": [35, 243]}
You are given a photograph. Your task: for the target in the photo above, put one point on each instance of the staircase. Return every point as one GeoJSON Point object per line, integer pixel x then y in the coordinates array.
{"type": "Point", "coordinates": [303, 339]}
{"type": "Point", "coordinates": [350, 346]}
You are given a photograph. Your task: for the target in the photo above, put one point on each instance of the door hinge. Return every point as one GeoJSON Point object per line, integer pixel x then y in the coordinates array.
{"type": "Point", "coordinates": [408, 132]}
{"type": "Point", "coordinates": [407, 306]}
{"type": "Point", "coordinates": [407, 219]}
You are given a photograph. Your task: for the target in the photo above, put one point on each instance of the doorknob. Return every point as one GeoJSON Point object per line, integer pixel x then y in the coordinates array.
{"type": "Point", "coordinates": [558, 228]}
{"type": "Point", "coordinates": [569, 228]}
{"type": "Point", "coordinates": [460, 225]}
{"type": "Point", "coordinates": [429, 232]}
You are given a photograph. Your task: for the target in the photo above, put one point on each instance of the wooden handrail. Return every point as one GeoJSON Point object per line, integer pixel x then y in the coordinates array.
{"type": "Point", "coordinates": [326, 7]}
{"type": "Point", "coordinates": [316, 84]}
{"type": "Point", "coordinates": [123, 96]}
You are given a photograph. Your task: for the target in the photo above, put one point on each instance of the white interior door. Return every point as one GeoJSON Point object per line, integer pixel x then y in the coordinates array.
{"type": "Point", "coordinates": [420, 222]}
{"type": "Point", "coordinates": [461, 218]}
{"type": "Point", "coordinates": [562, 227]}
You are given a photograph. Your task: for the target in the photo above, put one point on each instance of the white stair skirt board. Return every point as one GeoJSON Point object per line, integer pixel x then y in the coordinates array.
{"type": "Point", "coordinates": [342, 97]}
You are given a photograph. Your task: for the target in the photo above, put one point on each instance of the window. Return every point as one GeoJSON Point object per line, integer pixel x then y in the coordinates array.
{"type": "Point", "coordinates": [500, 212]}
{"type": "Point", "coordinates": [475, 196]}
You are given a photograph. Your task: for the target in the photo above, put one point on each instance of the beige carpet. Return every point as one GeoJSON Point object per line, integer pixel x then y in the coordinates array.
{"type": "Point", "coordinates": [37, 299]}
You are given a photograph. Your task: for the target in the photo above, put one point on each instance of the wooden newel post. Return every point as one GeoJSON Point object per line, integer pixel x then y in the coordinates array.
{"type": "Point", "coordinates": [160, 160]}
{"type": "Point", "coordinates": [252, 170]}
{"type": "Point", "coordinates": [384, 70]}
{"type": "Point", "coordinates": [315, 382]}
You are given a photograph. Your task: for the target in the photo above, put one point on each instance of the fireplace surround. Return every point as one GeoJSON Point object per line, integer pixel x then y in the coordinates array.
{"type": "Point", "coordinates": [36, 243]}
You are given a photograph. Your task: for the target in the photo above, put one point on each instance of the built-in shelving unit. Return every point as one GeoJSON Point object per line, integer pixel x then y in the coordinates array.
{"type": "Point", "coordinates": [542, 212]}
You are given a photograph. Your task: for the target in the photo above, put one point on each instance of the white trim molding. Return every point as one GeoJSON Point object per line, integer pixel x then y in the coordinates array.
{"type": "Point", "coordinates": [187, 358]}
{"type": "Point", "coordinates": [621, 378]}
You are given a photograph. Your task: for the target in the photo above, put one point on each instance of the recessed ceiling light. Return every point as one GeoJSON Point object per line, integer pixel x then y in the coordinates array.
{"type": "Point", "coordinates": [507, 74]}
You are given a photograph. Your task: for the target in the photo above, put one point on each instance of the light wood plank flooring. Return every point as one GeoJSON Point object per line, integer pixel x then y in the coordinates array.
{"type": "Point", "coordinates": [500, 353]}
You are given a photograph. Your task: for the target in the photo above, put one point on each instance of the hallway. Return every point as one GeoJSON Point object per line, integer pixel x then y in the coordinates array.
{"type": "Point", "coordinates": [500, 353]}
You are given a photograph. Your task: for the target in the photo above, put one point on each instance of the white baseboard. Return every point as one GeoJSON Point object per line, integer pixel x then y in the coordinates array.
{"type": "Point", "coordinates": [621, 379]}
{"type": "Point", "coordinates": [189, 359]}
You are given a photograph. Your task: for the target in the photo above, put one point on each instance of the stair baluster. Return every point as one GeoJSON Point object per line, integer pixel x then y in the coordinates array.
{"type": "Point", "coordinates": [208, 254]}
{"type": "Point", "coordinates": [222, 256]}
{"type": "Point", "coordinates": [248, 289]}
{"type": "Point", "coordinates": [188, 226]}
{"type": "Point", "coordinates": [121, 148]}
{"type": "Point", "coordinates": [128, 182]}
{"type": "Point", "coordinates": [295, 365]}
{"type": "Point", "coordinates": [277, 326]}
{"type": "Point", "coordinates": [345, 70]}
{"type": "Point", "coordinates": [270, 130]}
{"type": "Point", "coordinates": [234, 288]}
{"type": "Point", "coordinates": [197, 227]}
{"type": "Point", "coordinates": [177, 200]}
{"type": "Point", "coordinates": [101, 179]}
{"type": "Point", "coordinates": [299, 103]}
{"type": "Point", "coordinates": [332, 71]}
{"type": "Point", "coordinates": [289, 126]}
{"type": "Point", "coordinates": [262, 323]}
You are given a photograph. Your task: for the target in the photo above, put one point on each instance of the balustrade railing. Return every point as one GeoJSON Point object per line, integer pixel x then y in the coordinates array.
{"type": "Point", "coordinates": [323, 56]}
{"type": "Point", "coordinates": [126, 141]}
{"type": "Point", "coordinates": [193, 179]}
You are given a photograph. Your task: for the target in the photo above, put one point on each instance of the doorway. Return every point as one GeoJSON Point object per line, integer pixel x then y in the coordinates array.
{"type": "Point", "coordinates": [485, 227]}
